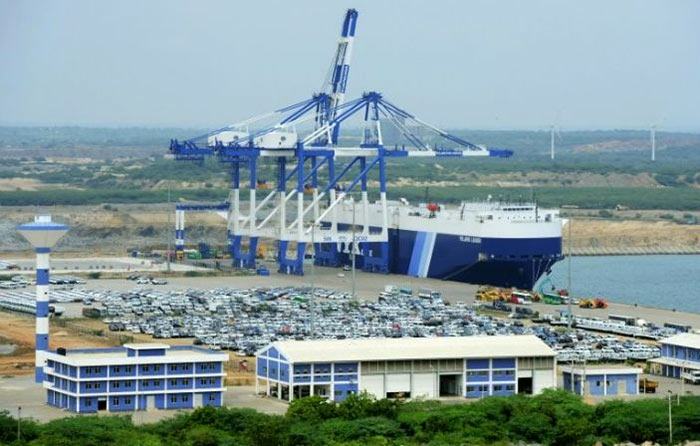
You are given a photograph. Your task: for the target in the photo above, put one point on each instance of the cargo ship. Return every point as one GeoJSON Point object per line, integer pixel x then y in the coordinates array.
{"type": "Point", "coordinates": [492, 243]}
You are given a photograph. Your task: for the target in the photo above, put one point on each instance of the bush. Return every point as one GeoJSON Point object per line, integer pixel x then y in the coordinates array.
{"type": "Point", "coordinates": [604, 213]}
{"type": "Point", "coordinates": [552, 418]}
{"type": "Point", "coordinates": [94, 275]}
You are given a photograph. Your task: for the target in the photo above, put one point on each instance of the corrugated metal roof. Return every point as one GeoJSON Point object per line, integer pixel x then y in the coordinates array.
{"type": "Point", "coordinates": [380, 349]}
{"type": "Point", "coordinates": [684, 340]}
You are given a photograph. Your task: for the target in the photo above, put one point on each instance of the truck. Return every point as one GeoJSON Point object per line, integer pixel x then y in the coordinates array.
{"type": "Point", "coordinates": [648, 386]}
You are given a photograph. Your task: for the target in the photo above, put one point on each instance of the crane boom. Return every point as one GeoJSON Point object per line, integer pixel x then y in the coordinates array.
{"type": "Point", "coordinates": [341, 66]}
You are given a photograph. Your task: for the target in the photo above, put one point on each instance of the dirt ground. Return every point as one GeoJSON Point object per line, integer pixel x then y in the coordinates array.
{"type": "Point", "coordinates": [18, 329]}
{"type": "Point", "coordinates": [591, 233]}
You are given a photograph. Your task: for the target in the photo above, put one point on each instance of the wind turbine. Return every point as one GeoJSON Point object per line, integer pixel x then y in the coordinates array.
{"type": "Point", "coordinates": [653, 142]}
{"type": "Point", "coordinates": [553, 130]}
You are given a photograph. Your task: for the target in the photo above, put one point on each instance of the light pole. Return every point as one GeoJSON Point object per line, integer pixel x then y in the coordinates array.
{"type": "Point", "coordinates": [19, 425]}
{"type": "Point", "coordinates": [312, 299]}
{"type": "Point", "coordinates": [167, 253]}
{"type": "Point", "coordinates": [354, 297]}
{"type": "Point", "coordinates": [670, 420]}
{"type": "Point", "coordinates": [571, 295]}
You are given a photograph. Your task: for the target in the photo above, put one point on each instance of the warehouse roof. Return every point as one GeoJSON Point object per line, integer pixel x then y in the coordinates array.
{"type": "Point", "coordinates": [684, 340]}
{"type": "Point", "coordinates": [381, 349]}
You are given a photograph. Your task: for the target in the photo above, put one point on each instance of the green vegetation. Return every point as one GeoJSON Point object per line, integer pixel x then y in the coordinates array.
{"type": "Point", "coordinates": [685, 199]}
{"type": "Point", "coordinates": [593, 169]}
{"type": "Point", "coordinates": [552, 418]}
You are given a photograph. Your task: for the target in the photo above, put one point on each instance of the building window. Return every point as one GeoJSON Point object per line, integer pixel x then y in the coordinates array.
{"type": "Point", "coordinates": [212, 397]}
{"type": "Point", "coordinates": [510, 386]}
{"type": "Point", "coordinates": [145, 383]}
{"type": "Point", "coordinates": [88, 385]}
{"type": "Point", "coordinates": [115, 384]}
{"type": "Point", "coordinates": [185, 398]}
{"type": "Point", "coordinates": [497, 388]}
{"type": "Point", "coordinates": [185, 382]}
{"type": "Point", "coordinates": [115, 401]}
{"type": "Point", "coordinates": [173, 382]}
{"type": "Point", "coordinates": [117, 369]}
{"type": "Point", "coordinates": [127, 400]}
{"type": "Point", "coordinates": [173, 399]}
{"type": "Point", "coordinates": [88, 402]}
{"type": "Point", "coordinates": [156, 368]}
{"type": "Point", "coordinates": [127, 383]}
{"type": "Point", "coordinates": [128, 369]}
{"type": "Point", "coordinates": [173, 367]}
{"type": "Point", "coordinates": [156, 382]}
{"type": "Point", "coordinates": [144, 368]}
{"type": "Point", "coordinates": [202, 381]}
{"type": "Point", "coordinates": [338, 393]}
{"type": "Point", "coordinates": [186, 367]}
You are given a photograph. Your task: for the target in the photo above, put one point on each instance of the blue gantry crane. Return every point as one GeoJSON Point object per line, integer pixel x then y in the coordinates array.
{"type": "Point", "coordinates": [300, 158]}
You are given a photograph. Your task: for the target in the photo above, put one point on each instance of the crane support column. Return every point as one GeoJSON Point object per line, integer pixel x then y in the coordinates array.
{"type": "Point", "coordinates": [243, 259]}
{"type": "Point", "coordinates": [326, 252]}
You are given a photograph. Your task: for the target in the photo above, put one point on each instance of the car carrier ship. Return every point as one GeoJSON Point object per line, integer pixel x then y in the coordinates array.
{"type": "Point", "coordinates": [495, 243]}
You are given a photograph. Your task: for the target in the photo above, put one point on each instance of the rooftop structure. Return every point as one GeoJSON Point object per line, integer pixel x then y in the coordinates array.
{"type": "Point", "coordinates": [470, 367]}
{"type": "Point", "coordinates": [134, 377]}
{"type": "Point", "coordinates": [43, 234]}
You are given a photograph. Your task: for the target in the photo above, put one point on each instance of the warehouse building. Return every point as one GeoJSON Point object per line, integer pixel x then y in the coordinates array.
{"type": "Point", "coordinates": [601, 381]}
{"type": "Point", "coordinates": [470, 367]}
{"type": "Point", "coordinates": [680, 354]}
{"type": "Point", "coordinates": [134, 377]}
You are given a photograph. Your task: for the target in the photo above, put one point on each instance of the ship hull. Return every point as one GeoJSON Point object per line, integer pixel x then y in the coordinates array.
{"type": "Point", "coordinates": [503, 262]}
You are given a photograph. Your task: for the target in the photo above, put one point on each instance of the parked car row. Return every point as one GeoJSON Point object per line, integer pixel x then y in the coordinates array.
{"type": "Point", "coordinates": [244, 320]}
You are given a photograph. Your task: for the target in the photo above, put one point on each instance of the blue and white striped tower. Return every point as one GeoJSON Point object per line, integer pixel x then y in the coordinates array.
{"type": "Point", "coordinates": [43, 235]}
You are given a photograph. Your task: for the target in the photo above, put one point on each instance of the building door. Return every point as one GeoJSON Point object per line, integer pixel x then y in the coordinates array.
{"type": "Point", "coordinates": [102, 403]}
{"type": "Point", "coordinates": [525, 386]}
{"type": "Point", "coordinates": [423, 385]}
{"type": "Point", "coordinates": [450, 385]}
{"type": "Point", "coordinates": [150, 402]}
{"type": "Point", "coordinates": [373, 384]}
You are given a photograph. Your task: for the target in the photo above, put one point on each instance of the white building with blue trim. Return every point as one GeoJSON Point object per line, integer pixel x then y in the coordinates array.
{"type": "Point", "coordinates": [469, 367]}
{"type": "Point", "coordinates": [134, 377]}
{"type": "Point", "coordinates": [680, 354]}
{"type": "Point", "coordinates": [601, 381]}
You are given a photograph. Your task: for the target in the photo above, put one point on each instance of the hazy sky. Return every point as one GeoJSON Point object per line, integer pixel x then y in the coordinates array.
{"type": "Point", "coordinates": [474, 64]}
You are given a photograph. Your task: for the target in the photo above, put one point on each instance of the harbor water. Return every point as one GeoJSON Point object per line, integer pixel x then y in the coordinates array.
{"type": "Point", "coordinates": [662, 281]}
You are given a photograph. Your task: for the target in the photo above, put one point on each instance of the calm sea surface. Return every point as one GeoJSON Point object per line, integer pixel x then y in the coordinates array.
{"type": "Point", "coordinates": [652, 281]}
